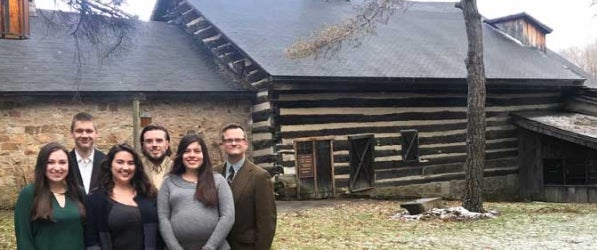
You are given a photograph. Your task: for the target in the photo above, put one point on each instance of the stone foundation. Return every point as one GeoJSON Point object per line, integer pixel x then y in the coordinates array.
{"type": "Point", "coordinates": [500, 188]}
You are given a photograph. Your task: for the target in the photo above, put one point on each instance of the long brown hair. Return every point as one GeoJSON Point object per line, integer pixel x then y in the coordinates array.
{"type": "Point", "coordinates": [42, 199]}
{"type": "Point", "coordinates": [140, 182]}
{"type": "Point", "coordinates": [206, 187]}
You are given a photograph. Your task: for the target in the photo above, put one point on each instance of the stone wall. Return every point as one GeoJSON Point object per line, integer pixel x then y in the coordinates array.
{"type": "Point", "coordinates": [27, 123]}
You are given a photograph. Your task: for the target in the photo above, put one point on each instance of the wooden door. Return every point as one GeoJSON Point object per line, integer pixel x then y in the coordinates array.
{"type": "Point", "coordinates": [314, 163]}
{"type": "Point", "coordinates": [14, 19]}
{"type": "Point", "coordinates": [362, 176]}
{"type": "Point", "coordinates": [325, 173]}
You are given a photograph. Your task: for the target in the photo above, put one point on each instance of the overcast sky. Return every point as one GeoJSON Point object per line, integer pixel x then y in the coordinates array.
{"type": "Point", "coordinates": [574, 22]}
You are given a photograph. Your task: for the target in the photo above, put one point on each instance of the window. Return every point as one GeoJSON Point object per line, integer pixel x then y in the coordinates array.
{"type": "Point", "coordinates": [410, 145]}
{"type": "Point", "coordinates": [570, 171]}
{"type": "Point", "coordinates": [553, 171]}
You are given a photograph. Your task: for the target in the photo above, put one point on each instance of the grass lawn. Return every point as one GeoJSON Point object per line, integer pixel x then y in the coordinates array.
{"type": "Point", "coordinates": [368, 225]}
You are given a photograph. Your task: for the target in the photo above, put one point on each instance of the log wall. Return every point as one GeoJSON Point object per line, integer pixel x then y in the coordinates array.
{"type": "Point", "coordinates": [583, 101]}
{"type": "Point", "coordinates": [439, 117]}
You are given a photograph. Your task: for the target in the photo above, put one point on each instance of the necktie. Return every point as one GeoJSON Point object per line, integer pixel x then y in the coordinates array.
{"type": "Point", "coordinates": [230, 175]}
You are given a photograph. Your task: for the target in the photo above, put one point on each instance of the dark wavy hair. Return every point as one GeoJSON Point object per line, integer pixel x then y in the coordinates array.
{"type": "Point", "coordinates": [206, 187]}
{"type": "Point", "coordinates": [42, 200]}
{"type": "Point", "coordinates": [140, 182]}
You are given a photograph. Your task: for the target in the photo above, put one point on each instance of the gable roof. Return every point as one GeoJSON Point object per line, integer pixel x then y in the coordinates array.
{"type": "Point", "coordinates": [428, 40]}
{"type": "Point", "coordinates": [159, 61]}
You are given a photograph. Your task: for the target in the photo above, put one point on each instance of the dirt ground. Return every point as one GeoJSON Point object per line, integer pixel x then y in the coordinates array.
{"type": "Point", "coordinates": [285, 206]}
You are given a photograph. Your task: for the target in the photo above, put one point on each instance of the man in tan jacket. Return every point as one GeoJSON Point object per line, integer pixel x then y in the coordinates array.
{"type": "Point", "coordinates": [155, 142]}
{"type": "Point", "coordinates": [254, 203]}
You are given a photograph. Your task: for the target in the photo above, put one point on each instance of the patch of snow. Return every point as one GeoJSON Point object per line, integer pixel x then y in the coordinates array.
{"type": "Point", "coordinates": [450, 213]}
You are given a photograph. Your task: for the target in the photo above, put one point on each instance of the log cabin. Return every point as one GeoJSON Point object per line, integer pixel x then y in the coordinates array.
{"type": "Point", "coordinates": [386, 116]}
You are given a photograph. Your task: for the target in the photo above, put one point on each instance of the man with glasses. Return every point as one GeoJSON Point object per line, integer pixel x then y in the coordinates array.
{"type": "Point", "coordinates": [252, 189]}
{"type": "Point", "coordinates": [155, 142]}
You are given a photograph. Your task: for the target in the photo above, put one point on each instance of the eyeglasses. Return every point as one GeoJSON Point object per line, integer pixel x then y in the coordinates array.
{"type": "Point", "coordinates": [235, 140]}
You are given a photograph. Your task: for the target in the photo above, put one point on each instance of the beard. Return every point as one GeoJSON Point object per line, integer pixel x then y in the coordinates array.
{"type": "Point", "coordinates": [155, 160]}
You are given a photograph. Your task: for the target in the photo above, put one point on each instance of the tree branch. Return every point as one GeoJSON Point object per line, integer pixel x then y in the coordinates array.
{"type": "Point", "coordinates": [329, 39]}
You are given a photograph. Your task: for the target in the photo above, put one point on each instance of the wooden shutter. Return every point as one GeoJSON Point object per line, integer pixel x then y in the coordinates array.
{"type": "Point", "coordinates": [14, 19]}
{"type": "Point", "coordinates": [410, 145]}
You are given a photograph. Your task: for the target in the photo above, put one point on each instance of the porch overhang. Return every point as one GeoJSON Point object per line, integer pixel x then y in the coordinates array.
{"type": "Point", "coordinates": [573, 127]}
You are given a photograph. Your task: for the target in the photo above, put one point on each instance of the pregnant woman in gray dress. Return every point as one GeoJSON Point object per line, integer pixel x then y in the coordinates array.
{"type": "Point", "coordinates": [195, 205]}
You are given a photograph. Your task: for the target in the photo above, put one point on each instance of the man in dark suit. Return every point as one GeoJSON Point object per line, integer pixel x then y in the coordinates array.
{"type": "Point", "coordinates": [86, 158]}
{"type": "Point", "coordinates": [254, 203]}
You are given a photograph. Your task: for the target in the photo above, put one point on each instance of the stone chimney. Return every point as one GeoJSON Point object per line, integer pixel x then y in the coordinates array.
{"type": "Point", "coordinates": [14, 19]}
{"type": "Point", "coordinates": [524, 28]}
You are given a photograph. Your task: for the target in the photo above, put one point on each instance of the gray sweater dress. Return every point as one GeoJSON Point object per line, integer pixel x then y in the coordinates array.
{"type": "Point", "coordinates": [185, 223]}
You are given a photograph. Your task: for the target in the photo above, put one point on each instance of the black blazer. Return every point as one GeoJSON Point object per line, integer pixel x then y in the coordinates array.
{"type": "Point", "coordinates": [96, 172]}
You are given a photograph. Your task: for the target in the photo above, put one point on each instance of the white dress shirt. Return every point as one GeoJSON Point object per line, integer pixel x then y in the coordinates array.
{"type": "Point", "coordinates": [85, 169]}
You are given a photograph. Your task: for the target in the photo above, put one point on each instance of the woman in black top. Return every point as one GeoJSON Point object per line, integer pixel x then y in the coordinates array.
{"type": "Point", "coordinates": [122, 213]}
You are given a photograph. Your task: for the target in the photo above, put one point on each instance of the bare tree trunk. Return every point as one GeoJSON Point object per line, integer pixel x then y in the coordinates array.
{"type": "Point", "coordinates": [475, 130]}
{"type": "Point", "coordinates": [329, 40]}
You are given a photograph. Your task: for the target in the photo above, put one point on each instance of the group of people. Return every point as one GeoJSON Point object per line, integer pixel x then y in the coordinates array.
{"type": "Point", "coordinates": [85, 199]}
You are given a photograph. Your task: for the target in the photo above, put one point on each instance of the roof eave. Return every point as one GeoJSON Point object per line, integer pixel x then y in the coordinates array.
{"type": "Point", "coordinates": [426, 80]}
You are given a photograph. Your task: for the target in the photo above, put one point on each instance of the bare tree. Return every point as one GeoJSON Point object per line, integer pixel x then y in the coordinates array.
{"type": "Point", "coordinates": [475, 128]}
{"type": "Point", "coordinates": [99, 26]}
{"type": "Point", "coordinates": [330, 39]}
{"type": "Point", "coordinates": [584, 57]}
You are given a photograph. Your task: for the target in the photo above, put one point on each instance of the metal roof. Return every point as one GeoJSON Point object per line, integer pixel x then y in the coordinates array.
{"type": "Point", "coordinates": [426, 40]}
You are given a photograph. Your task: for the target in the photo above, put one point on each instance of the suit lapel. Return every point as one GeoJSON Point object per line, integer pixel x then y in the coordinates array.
{"type": "Point", "coordinates": [241, 181]}
{"type": "Point", "coordinates": [96, 171]}
{"type": "Point", "coordinates": [73, 158]}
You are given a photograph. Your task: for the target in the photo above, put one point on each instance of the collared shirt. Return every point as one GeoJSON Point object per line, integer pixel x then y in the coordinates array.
{"type": "Point", "coordinates": [154, 176]}
{"type": "Point", "coordinates": [85, 168]}
{"type": "Point", "coordinates": [236, 166]}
